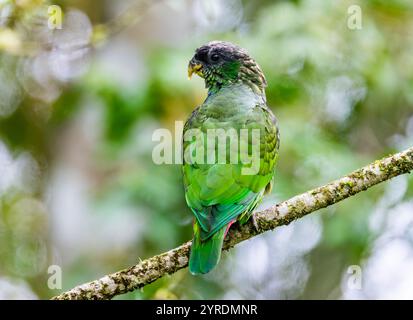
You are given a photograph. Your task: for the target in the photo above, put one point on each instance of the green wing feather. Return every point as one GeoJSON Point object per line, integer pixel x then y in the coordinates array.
{"type": "Point", "coordinates": [219, 194]}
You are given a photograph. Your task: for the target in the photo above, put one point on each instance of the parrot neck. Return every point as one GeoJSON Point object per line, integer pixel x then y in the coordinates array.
{"type": "Point", "coordinates": [238, 87]}
{"type": "Point", "coordinates": [236, 97]}
{"type": "Point", "coordinates": [249, 75]}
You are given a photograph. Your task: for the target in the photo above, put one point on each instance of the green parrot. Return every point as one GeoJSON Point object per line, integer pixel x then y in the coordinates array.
{"type": "Point", "coordinates": [222, 192]}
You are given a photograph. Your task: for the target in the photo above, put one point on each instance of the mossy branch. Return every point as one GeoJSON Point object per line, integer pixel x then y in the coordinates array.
{"type": "Point", "coordinates": [283, 213]}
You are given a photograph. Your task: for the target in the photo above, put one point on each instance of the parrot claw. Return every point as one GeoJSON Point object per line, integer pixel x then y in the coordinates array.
{"type": "Point", "coordinates": [255, 223]}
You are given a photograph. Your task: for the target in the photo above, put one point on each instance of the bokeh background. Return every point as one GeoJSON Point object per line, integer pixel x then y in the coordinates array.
{"type": "Point", "coordinates": [78, 106]}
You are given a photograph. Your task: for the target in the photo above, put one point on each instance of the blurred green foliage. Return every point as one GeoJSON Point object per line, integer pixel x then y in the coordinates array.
{"type": "Point", "coordinates": [343, 98]}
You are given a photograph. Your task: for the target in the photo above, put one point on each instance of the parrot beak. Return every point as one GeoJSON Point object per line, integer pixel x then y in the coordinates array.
{"type": "Point", "coordinates": [194, 67]}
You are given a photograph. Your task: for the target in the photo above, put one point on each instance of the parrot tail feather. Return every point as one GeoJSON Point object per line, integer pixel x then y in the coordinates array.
{"type": "Point", "coordinates": [205, 254]}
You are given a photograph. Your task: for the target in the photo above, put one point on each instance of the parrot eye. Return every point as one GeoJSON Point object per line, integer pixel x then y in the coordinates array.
{"type": "Point", "coordinates": [215, 57]}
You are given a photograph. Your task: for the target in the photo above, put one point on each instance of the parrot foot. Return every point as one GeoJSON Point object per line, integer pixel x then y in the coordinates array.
{"type": "Point", "coordinates": [255, 223]}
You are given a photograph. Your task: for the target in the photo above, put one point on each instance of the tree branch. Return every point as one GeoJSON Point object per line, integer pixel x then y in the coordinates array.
{"type": "Point", "coordinates": [283, 213]}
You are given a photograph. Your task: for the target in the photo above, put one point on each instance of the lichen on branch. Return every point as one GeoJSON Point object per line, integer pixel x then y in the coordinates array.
{"type": "Point", "coordinates": [283, 213]}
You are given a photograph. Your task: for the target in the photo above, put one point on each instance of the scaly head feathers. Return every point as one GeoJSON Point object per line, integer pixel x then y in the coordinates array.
{"type": "Point", "coordinates": [222, 63]}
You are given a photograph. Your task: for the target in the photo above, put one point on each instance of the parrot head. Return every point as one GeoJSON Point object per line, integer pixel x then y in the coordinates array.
{"type": "Point", "coordinates": [221, 63]}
